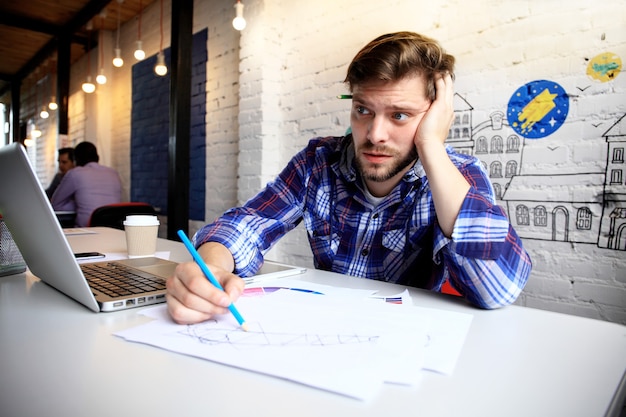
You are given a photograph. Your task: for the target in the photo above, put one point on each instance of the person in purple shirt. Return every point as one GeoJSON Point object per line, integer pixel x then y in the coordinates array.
{"type": "Point", "coordinates": [66, 162]}
{"type": "Point", "coordinates": [88, 186]}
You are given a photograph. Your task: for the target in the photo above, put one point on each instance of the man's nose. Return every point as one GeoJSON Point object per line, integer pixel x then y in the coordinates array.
{"type": "Point", "coordinates": [378, 131]}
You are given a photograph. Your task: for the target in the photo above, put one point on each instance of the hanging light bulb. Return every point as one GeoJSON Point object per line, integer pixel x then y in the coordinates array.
{"type": "Point", "coordinates": [160, 68]}
{"type": "Point", "coordinates": [34, 132]}
{"type": "Point", "coordinates": [88, 86]}
{"type": "Point", "coordinates": [44, 112]}
{"type": "Point", "coordinates": [101, 78]}
{"type": "Point", "coordinates": [239, 22]}
{"type": "Point", "coordinates": [139, 52]}
{"type": "Point", "coordinates": [118, 61]}
{"type": "Point", "coordinates": [53, 104]}
{"type": "Point", "coordinates": [28, 142]}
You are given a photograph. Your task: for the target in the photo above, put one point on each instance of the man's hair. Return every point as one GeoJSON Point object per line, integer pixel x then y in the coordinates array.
{"type": "Point", "coordinates": [67, 151]}
{"type": "Point", "coordinates": [394, 56]}
{"type": "Point", "coordinates": [85, 152]}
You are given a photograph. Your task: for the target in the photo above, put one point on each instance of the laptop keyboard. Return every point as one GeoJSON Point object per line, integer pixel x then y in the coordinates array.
{"type": "Point", "coordinates": [117, 280]}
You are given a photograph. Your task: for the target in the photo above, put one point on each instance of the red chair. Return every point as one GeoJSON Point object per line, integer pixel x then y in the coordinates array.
{"type": "Point", "coordinates": [447, 288]}
{"type": "Point", "coordinates": [113, 215]}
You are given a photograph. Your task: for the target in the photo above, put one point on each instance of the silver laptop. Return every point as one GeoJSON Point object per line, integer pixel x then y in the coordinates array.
{"type": "Point", "coordinates": [29, 216]}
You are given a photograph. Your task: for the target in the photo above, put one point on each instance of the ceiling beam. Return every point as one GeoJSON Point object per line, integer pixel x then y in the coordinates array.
{"type": "Point", "coordinates": [34, 25]}
{"type": "Point", "coordinates": [87, 13]}
{"type": "Point", "coordinates": [80, 19]}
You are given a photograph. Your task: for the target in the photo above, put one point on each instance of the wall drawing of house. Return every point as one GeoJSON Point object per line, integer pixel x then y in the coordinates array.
{"type": "Point", "coordinates": [499, 148]}
{"type": "Point", "coordinates": [582, 207]}
{"type": "Point", "coordinates": [613, 231]}
{"type": "Point", "coordinates": [563, 208]}
{"type": "Point", "coordinates": [460, 135]}
{"type": "Point", "coordinates": [493, 141]}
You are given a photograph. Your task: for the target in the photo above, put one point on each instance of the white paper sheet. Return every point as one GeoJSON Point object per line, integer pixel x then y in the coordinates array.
{"type": "Point", "coordinates": [321, 336]}
{"type": "Point", "coordinates": [339, 344]}
{"type": "Point", "coordinates": [446, 338]}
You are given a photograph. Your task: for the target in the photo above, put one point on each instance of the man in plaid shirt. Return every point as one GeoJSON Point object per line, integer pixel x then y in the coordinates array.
{"type": "Point", "coordinates": [389, 201]}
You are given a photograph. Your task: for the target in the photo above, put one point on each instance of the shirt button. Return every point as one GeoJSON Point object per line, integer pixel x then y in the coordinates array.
{"type": "Point", "coordinates": [365, 252]}
{"type": "Point", "coordinates": [375, 216]}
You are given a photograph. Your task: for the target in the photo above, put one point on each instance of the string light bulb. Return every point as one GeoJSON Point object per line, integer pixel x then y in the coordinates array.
{"type": "Point", "coordinates": [139, 52]}
{"type": "Point", "coordinates": [160, 68]}
{"type": "Point", "coordinates": [44, 113]}
{"type": "Point", "coordinates": [88, 86]}
{"type": "Point", "coordinates": [101, 78]}
{"type": "Point", "coordinates": [53, 104]}
{"type": "Point", "coordinates": [118, 61]}
{"type": "Point", "coordinates": [34, 132]}
{"type": "Point", "coordinates": [239, 22]}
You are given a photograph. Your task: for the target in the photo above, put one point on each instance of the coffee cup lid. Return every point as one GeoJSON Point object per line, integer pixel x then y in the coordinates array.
{"type": "Point", "coordinates": [141, 220]}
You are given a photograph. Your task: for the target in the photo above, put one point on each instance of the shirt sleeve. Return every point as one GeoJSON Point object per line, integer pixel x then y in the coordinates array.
{"type": "Point", "coordinates": [251, 230]}
{"type": "Point", "coordinates": [484, 259]}
{"type": "Point", "coordinates": [54, 184]}
{"type": "Point", "coordinates": [63, 197]}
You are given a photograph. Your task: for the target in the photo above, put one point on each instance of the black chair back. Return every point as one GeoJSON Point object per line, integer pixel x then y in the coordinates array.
{"type": "Point", "coordinates": [113, 215]}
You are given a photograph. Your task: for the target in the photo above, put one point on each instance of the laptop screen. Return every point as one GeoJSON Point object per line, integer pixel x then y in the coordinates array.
{"type": "Point", "coordinates": [29, 216]}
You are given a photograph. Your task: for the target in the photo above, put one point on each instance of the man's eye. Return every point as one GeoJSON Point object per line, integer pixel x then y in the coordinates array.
{"type": "Point", "coordinates": [362, 110]}
{"type": "Point", "coordinates": [400, 116]}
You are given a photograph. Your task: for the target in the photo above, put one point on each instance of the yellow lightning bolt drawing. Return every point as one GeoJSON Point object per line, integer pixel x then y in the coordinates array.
{"type": "Point", "coordinates": [536, 110]}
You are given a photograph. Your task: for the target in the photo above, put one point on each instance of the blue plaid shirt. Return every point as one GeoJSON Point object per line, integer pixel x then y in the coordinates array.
{"type": "Point", "coordinates": [398, 240]}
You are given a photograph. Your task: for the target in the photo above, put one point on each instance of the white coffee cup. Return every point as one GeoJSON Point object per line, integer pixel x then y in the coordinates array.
{"type": "Point", "coordinates": [141, 235]}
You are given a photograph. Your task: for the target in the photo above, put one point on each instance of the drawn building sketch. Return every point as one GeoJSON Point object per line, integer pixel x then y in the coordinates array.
{"type": "Point", "coordinates": [583, 207]}
{"type": "Point", "coordinates": [460, 135]}
{"type": "Point", "coordinates": [556, 207]}
{"type": "Point", "coordinates": [613, 228]}
{"type": "Point", "coordinates": [212, 333]}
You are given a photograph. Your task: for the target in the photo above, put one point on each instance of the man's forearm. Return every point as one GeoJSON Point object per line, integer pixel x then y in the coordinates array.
{"type": "Point", "coordinates": [217, 254]}
{"type": "Point", "coordinates": [447, 184]}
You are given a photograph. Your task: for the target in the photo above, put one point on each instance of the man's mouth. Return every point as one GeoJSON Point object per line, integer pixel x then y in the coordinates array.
{"type": "Point", "coordinates": [376, 158]}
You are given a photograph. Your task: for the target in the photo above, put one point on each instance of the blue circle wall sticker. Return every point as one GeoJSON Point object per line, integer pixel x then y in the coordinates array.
{"type": "Point", "coordinates": [538, 109]}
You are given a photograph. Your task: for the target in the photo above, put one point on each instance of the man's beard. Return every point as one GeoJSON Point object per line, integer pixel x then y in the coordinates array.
{"type": "Point", "coordinates": [380, 174]}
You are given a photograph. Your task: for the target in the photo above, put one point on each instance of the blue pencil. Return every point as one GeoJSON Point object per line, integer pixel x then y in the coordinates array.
{"type": "Point", "coordinates": [210, 276]}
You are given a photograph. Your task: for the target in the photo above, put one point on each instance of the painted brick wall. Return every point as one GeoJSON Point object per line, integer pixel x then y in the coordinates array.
{"type": "Point", "coordinates": [150, 135]}
{"type": "Point", "coordinates": [287, 97]}
{"type": "Point", "coordinates": [150, 132]}
{"type": "Point", "coordinates": [271, 88]}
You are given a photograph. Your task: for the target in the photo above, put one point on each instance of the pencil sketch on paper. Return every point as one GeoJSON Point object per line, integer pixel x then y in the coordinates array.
{"type": "Point", "coordinates": [212, 333]}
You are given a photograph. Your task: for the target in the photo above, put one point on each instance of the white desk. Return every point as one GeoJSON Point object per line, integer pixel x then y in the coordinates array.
{"type": "Point", "coordinates": [57, 358]}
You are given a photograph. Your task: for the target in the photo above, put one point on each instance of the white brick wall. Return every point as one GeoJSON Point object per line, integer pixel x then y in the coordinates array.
{"type": "Point", "coordinates": [271, 88]}
{"type": "Point", "coordinates": [499, 47]}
